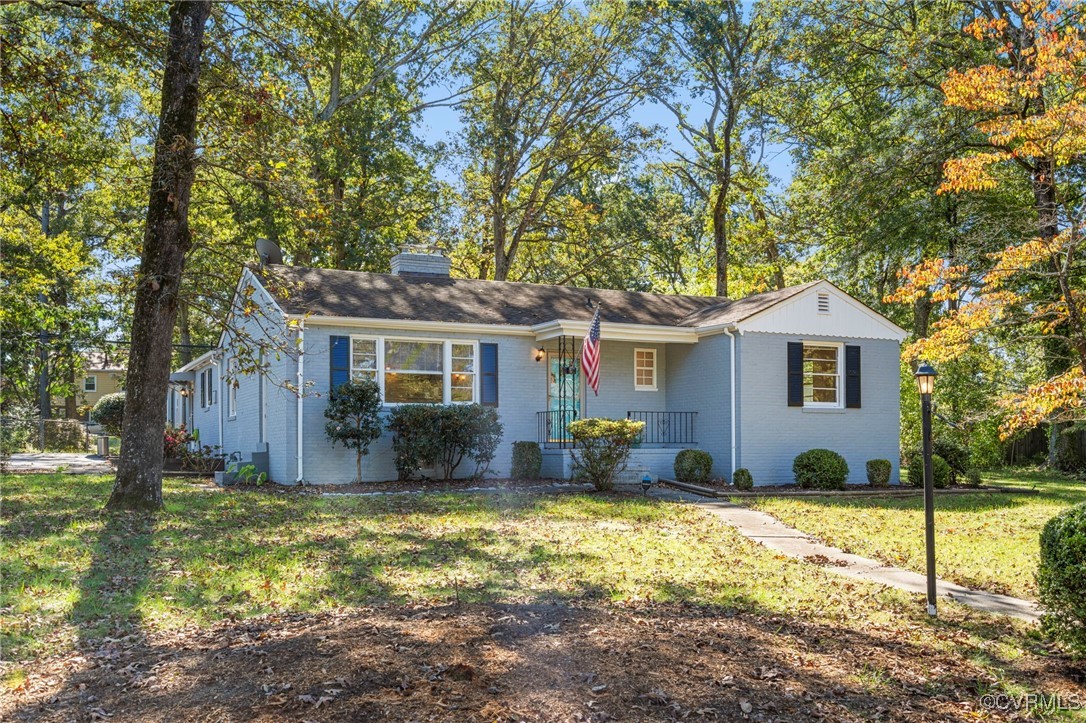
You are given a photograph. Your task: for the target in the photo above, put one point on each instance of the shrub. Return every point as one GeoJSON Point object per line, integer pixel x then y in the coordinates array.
{"type": "Point", "coordinates": [1061, 577]}
{"type": "Point", "coordinates": [743, 479]}
{"type": "Point", "coordinates": [436, 434]}
{"type": "Point", "coordinates": [602, 448]}
{"type": "Point", "coordinates": [693, 465]}
{"type": "Point", "coordinates": [353, 415]}
{"type": "Point", "coordinates": [954, 454]}
{"type": "Point", "coordinates": [973, 478]}
{"type": "Point", "coordinates": [109, 412]}
{"type": "Point", "coordinates": [65, 435]}
{"type": "Point", "coordinates": [878, 472]}
{"type": "Point", "coordinates": [820, 469]}
{"type": "Point", "coordinates": [527, 460]}
{"type": "Point", "coordinates": [18, 428]}
{"type": "Point", "coordinates": [941, 472]}
{"type": "Point", "coordinates": [202, 459]}
{"type": "Point", "coordinates": [175, 441]}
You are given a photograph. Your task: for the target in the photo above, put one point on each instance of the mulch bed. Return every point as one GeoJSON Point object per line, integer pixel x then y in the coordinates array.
{"type": "Point", "coordinates": [719, 488]}
{"type": "Point", "coordinates": [537, 662]}
{"type": "Point", "coordinates": [431, 486]}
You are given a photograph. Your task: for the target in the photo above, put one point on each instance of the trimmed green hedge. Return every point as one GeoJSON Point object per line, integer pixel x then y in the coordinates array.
{"type": "Point", "coordinates": [527, 460]}
{"type": "Point", "coordinates": [743, 480]}
{"type": "Point", "coordinates": [878, 472]}
{"type": "Point", "coordinates": [941, 472]}
{"type": "Point", "coordinates": [1061, 578]}
{"type": "Point", "coordinates": [820, 469]}
{"type": "Point", "coordinates": [109, 412]}
{"type": "Point", "coordinates": [693, 466]}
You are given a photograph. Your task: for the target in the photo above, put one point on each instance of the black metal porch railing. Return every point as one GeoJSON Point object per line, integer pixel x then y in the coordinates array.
{"type": "Point", "coordinates": [553, 428]}
{"type": "Point", "coordinates": [666, 429]}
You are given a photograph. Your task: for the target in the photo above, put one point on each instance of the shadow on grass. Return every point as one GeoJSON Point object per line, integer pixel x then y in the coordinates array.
{"type": "Point", "coordinates": [540, 648]}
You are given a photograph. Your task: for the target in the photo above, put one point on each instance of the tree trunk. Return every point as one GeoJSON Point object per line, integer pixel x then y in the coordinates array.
{"type": "Point", "coordinates": [184, 329]}
{"type": "Point", "coordinates": [166, 242]}
{"type": "Point", "coordinates": [358, 466]}
{"type": "Point", "coordinates": [720, 241]}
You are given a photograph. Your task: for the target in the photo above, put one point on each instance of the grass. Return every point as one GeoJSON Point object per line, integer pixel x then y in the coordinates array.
{"type": "Point", "coordinates": [986, 541]}
{"type": "Point", "coordinates": [74, 576]}
{"type": "Point", "coordinates": [70, 570]}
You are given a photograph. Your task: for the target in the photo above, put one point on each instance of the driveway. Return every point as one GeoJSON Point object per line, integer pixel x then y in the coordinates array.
{"type": "Point", "coordinates": [68, 462]}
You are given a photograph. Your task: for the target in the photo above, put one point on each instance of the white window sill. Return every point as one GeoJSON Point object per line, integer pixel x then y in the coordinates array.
{"type": "Point", "coordinates": [646, 389]}
{"type": "Point", "coordinates": [823, 410]}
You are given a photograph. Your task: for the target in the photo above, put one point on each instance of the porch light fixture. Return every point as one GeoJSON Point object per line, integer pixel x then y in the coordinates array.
{"type": "Point", "coordinates": [925, 381]}
{"type": "Point", "coordinates": [539, 354]}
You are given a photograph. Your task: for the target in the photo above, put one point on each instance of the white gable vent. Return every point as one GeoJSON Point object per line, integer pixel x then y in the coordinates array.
{"type": "Point", "coordinates": [823, 303]}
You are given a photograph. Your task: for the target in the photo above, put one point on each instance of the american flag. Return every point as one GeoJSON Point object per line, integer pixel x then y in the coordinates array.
{"type": "Point", "coordinates": [590, 354]}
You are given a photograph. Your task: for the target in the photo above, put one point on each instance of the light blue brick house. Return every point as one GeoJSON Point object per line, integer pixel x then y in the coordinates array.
{"type": "Point", "coordinates": [753, 381]}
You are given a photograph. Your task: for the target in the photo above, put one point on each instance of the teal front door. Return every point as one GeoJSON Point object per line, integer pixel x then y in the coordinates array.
{"type": "Point", "coordinates": [563, 397]}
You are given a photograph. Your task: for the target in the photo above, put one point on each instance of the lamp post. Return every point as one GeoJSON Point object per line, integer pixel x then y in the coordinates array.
{"type": "Point", "coordinates": [925, 380]}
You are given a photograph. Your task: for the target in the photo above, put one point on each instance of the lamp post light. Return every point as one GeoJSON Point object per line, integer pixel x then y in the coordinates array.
{"type": "Point", "coordinates": [925, 381]}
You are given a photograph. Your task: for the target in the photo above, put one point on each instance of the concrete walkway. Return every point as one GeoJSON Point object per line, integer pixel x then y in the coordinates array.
{"type": "Point", "coordinates": [44, 462]}
{"type": "Point", "coordinates": [774, 534]}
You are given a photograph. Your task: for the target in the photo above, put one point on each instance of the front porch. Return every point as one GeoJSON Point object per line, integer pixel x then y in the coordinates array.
{"type": "Point", "coordinates": [665, 435]}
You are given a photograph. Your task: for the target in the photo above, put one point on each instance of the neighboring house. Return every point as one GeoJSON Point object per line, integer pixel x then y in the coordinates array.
{"type": "Point", "coordinates": [813, 367]}
{"type": "Point", "coordinates": [102, 374]}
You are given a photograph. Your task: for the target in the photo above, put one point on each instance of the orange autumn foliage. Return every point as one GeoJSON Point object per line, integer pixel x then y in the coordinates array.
{"type": "Point", "coordinates": [1036, 107]}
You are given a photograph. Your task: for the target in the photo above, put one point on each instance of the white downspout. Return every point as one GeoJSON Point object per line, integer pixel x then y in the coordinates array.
{"type": "Point", "coordinates": [301, 386]}
{"type": "Point", "coordinates": [218, 401]}
{"type": "Point", "coordinates": [731, 363]}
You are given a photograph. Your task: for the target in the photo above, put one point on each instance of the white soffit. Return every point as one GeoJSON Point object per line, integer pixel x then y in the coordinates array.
{"type": "Point", "coordinates": [801, 316]}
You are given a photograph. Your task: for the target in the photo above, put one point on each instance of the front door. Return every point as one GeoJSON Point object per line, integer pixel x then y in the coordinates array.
{"type": "Point", "coordinates": [563, 396]}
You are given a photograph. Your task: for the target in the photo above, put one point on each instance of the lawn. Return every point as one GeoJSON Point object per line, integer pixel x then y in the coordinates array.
{"type": "Point", "coordinates": [414, 606]}
{"type": "Point", "coordinates": [986, 541]}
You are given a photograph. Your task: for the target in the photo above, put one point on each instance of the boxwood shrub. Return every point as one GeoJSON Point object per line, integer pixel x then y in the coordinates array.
{"type": "Point", "coordinates": [443, 435]}
{"type": "Point", "coordinates": [941, 472]}
{"type": "Point", "coordinates": [878, 472]}
{"type": "Point", "coordinates": [1061, 578]}
{"type": "Point", "coordinates": [693, 466]}
{"type": "Point", "coordinates": [527, 460]}
{"type": "Point", "coordinates": [820, 469]}
{"type": "Point", "coordinates": [742, 479]}
{"type": "Point", "coordinates": [109, 412]}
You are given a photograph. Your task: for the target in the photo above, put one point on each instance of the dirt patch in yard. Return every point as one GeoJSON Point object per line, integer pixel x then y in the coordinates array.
{"type": "Point", "coordinates": [537, 662]}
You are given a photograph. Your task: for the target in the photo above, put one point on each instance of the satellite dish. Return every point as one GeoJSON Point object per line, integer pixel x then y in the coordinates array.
{"type": "Point", "coordinates": [269, 252]}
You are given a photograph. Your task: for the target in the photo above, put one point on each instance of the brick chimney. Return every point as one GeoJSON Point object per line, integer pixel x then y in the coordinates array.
{"type": "Point", "coordinates": [421, 260]}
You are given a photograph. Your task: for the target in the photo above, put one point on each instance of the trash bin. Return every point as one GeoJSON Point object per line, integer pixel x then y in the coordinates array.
{"type": "Point", "coordinates": [103, 445]}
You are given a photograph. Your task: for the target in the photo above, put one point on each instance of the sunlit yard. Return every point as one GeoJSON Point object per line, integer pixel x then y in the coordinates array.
{"type": "Point", "coordinates": [219, 554]}
{"type": "Point", "coordinates": [987, 541]}
{"type": "Point", "coordinates": [221, 566]}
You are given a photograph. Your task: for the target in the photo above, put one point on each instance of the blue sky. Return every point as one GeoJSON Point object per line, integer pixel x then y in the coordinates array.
{"type": "Point", "coordinates": [443, 123]}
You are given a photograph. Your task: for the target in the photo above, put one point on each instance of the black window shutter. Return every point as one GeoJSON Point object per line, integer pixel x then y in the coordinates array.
{"type": "Point", "coordinates": [340, 361]}
{"type": "Point", "coordinates": [852, 377]}
{"type": "Point", "coordinates": [488, 386]}
{"type": "Point", "coordinates": [795, 374]}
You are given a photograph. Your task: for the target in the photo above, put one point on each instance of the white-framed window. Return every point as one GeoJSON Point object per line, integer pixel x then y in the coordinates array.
{"type": "Point", "coordinates": [822, 374]}
{"type": "Point", "coordinates": [90, 384]}
{"type": "Point", "coordinates": [462, 371]}
{"type": "Point", "coordinates": [645, 370]}
{"type": "Point", "coordinates": [232, 388]}
{"type": "Point", "coordinates": [417, 370]}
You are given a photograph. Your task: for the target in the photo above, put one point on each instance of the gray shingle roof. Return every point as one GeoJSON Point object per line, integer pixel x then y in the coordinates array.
{"type": "Point", "coordinates": [332, 292]}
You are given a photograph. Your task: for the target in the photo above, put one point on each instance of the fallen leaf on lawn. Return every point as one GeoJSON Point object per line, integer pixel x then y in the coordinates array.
{"type": "Point", "coordinates": [745, 706]}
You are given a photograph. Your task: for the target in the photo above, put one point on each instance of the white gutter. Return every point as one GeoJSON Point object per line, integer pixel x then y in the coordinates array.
{"type": "Point", "coordinates": [731, 363]}
{"type": "Point", "coordinates": [301, 387]}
